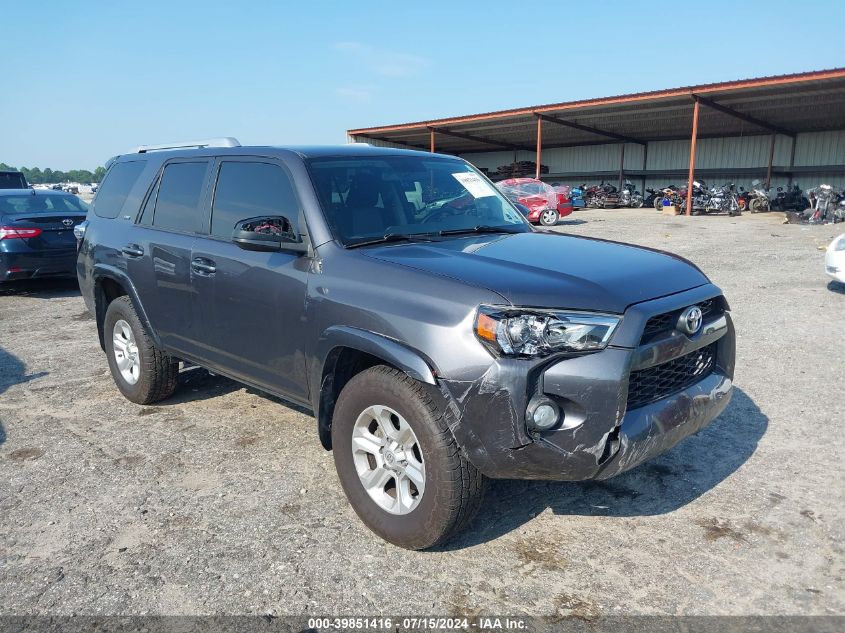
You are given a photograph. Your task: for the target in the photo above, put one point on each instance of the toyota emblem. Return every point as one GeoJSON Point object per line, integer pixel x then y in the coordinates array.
{"type": "Point", "coordinates": [67, 222]}
{"type": "Point", "coordinates": [690, 320]}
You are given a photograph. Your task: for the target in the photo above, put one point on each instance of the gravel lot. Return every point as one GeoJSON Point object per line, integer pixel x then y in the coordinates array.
{"type": "Point", "coordinates": [221, 500]}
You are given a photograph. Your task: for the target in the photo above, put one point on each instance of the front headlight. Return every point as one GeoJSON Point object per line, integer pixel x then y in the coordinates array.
{"type": "Point", "coordinates": [839, 243]}
{"type": "Point", "coordinates": [527, 332]}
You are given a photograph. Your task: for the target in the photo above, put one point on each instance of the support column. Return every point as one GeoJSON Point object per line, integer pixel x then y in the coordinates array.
{"type": "Point", "coordinates": [431, 140]}
{"type": "Point", "coordinates": [539, 146]}
{"type": "Point", "coordinates": [792, 158]}
{"type": "Point", "coordinates": [645, 167]}
{"type": "Point", "coordinates": [693, 139]}
{"type": "Point", "coordinates": [771, 159]}
{"type": "Point", "coordinates": [621, 166]}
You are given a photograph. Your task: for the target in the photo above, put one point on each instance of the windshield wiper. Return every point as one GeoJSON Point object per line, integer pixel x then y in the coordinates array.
{"type": "Point", "coordinates": [393, 237]}
{"type": "Point", "coordinates": [480, 228]}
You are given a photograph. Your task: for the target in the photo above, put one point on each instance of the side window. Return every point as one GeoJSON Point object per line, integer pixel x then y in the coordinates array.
{"type": "Point", "coordinates": [116, 187]}
{"type": "Point", "coordinates": [179, 193]}
{"type": "Point", "coordinates": [249, 189]}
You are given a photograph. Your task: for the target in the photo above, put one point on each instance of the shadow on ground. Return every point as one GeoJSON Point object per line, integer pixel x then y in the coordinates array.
{"type": "Point", "coordinates": [41, 288]}
{"type": "Point", "coordinates": [13, 371]}
{"type": "Point", "coordinates": [572, 222]}
{"type": "Point", "coordinates": [696, 465]}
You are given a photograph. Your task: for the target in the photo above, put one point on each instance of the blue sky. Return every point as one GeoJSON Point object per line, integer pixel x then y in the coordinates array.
{"type": "Point", "coordinates": [91, 79]}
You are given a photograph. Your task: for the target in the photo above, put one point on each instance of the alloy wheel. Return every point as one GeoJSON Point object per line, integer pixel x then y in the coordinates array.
{"type": "Point", "coordinates": [388, 459]}
{"type": "Point", "coordinates": [126, 352]}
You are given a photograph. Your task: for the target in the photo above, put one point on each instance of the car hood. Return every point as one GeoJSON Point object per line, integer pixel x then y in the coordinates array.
{"type": "Point", "coordinates": [551, 270]}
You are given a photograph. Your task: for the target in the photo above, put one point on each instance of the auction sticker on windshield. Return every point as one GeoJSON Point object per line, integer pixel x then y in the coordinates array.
{"type": "Point", "coordinates": [476, 185]}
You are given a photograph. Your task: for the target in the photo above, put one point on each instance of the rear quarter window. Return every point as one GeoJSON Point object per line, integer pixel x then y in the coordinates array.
{"type": "Point", "coordinates": [112, 194]}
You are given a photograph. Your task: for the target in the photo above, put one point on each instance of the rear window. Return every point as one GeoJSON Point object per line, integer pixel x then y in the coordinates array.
{"type": "Point", "coordinates": [40, 204]}
{"type": "Point", "coordinates": [179, 193]}
{"type": "Point", "coordinates": [115, 189]}
{"type": "Point", "coordinates": [12, 180]}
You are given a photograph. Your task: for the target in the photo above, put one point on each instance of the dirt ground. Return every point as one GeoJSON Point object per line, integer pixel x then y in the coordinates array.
{"type": "Point", "coordinates": [221, 500]}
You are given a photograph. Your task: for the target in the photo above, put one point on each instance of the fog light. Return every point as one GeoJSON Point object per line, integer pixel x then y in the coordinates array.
{"type": "Point", "coordinates": [542, 414]}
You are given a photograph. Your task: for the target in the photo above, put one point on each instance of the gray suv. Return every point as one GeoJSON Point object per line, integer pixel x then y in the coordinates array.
{"type": "Point", "coordinates": [436, 336]}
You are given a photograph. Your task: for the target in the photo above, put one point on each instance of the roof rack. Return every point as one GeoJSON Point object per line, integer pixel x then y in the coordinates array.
{"type": "Point", "coordinates": [226, 141]}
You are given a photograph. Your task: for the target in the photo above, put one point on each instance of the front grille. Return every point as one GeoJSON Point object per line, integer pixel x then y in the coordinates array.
{"type": "Point", "coordinates": [664, 323]}
{"type": "Point", "coordinates": [648, 385]}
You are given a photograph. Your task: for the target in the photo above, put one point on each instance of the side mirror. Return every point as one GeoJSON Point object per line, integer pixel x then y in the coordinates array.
{"type": "Point", "coordinates": [268, 233]}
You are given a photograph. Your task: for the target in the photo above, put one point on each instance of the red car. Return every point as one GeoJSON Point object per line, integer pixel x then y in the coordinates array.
{"type": "Point", "coordinates": [546, 204]}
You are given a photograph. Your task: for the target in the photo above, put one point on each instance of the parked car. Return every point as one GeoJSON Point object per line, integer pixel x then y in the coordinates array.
{"type": "Point", "coordinates": [545, 203]}
{"type": "Point", "coordinates": [36, 233]}
{"type": "Point", "coordinates": [438, 338]}
{"type": "Point", "coordinates": [834, 259]}
{"type": "Point", "coordinates": [10, 179]}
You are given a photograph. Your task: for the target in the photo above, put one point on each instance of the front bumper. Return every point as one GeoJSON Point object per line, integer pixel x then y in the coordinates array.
{"type": "Point", "coordinates": [834, 265]}
{"type": "Point", "coordinates": [601, 437]}
{"type": "Point", "coordinates": [43, 263]}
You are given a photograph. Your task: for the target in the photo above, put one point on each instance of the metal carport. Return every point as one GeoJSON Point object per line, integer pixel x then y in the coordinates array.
{"type": "Point", "coordinates": [781, 107]}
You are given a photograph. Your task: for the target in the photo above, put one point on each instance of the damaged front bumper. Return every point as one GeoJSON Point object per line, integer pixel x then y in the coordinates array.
{"type": "Point", "coordinates": [600, 436]}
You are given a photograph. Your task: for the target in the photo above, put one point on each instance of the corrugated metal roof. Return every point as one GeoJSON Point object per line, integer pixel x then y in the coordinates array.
{"type": "Point", "coordinates": [803, 102]}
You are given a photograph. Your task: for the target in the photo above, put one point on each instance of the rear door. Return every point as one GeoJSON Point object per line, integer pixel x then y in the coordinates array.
{"type": "Point", "coordinates": [159, 253]}
{"type": "Point", "coordinates": [252, 303]}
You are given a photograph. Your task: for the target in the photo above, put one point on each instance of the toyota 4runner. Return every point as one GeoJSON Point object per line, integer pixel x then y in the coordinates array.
{"type": "Point", "coordinates": [436, 336]}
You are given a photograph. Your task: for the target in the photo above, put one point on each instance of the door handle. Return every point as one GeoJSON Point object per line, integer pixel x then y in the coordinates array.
{"type": "Point", "coordinates": [203, 266]}
{"type": "Point", "coordinates": [133, 250]}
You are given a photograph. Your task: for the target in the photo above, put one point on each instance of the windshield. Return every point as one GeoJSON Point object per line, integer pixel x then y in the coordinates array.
{"type": "Point", "coordinates": [367, 198]}
{"type": "Point", "coordinates": [34, 203]}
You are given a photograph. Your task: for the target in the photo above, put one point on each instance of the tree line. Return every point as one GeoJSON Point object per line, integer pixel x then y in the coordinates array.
{"type": "Point", "coordinates": [38, 176]}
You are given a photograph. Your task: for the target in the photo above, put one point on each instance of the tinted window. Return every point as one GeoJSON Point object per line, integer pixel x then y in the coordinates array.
{"type": "Point", "coordinates": [179, 192]}
{"type": "Point", "coordinates": [116, 187]}
{"type": "Point", "coordinates": [40, 204]}
{"type": "Point", "coordinates": [12, 180]}
{"type": "Point", "coordinates": [247, 190]}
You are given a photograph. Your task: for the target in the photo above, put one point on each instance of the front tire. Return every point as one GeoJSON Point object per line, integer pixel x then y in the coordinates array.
{"type": "Point", "coordinates": [398, 462]}
{"type": "Point", "coordinates": [549, 217]}
{"type": "Point", "coordinates": [142, 372]}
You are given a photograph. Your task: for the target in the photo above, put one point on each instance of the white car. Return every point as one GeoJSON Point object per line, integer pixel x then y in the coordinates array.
{"type": "Point", "coordinates": [834, 259]}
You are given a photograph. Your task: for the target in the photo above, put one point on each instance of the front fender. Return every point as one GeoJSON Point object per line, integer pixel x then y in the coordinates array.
{"type": "Point", "coordinates": [412, 362]}
{"type": "Point", "coordinates": [409, 360]}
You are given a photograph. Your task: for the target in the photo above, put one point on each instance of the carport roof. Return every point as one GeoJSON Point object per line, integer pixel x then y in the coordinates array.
{"type": "Point", "coordinates": [786, 104]}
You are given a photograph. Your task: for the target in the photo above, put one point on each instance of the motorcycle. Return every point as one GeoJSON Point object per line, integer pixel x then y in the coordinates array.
{"type": "Point", "coordinates": [720, 199]}
{"type": "Point", "coordinates": [576, 196]}
{"type": "Point", "coordinates": [825, 204]}
{"type": "Point", "coordinates": [630, 197]}
{"type": "Point", "coordinates": [793, 199]}
{"type": "Point", "coordinates": [674, 195]}
{"type": "Point", "coordinates": [603, 196]}
{"type": "Point", "coordinates": [757, 199]}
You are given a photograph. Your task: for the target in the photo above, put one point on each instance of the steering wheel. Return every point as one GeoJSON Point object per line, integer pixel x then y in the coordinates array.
{"type": "Point", "coordinates": [450, 209]}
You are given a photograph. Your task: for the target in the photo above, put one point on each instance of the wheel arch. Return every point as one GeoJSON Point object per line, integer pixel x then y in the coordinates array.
{"type": "Point", "coordinates": [343, 352]}
{"type": "Point", "coordinates": [109, 284]}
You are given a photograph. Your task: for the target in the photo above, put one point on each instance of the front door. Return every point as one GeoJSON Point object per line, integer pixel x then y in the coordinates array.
{"type": "Point", "coordinates": [251, 304]}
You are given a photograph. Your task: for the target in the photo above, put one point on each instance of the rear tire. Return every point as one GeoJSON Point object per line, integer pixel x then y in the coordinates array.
{"type": "Point", "coordinates": [658, 203]}
{"type": "Point", "coordinates": [549, 217]}
{"type": "Point", "coordinates": [142, 372]}
{"type": "Point", "coordinates": [452, 487]}
{"type": "Point", "coordinates": [757, 205]}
